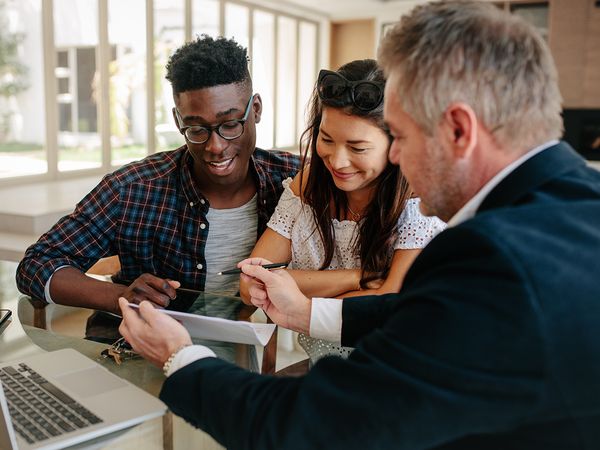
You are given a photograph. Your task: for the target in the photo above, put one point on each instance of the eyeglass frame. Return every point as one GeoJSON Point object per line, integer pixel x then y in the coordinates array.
{"type": "Point", "coordinates": [351, 85]}
{"type": "Point", "coordinates": [183, 128]}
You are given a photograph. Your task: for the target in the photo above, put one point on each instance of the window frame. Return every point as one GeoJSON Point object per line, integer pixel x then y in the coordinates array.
{"type": "Point", "coordinates": [50, 80]}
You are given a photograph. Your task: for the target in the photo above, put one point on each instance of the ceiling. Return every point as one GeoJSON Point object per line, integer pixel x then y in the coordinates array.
{"type": "Point", "coordinates": [336, 8]}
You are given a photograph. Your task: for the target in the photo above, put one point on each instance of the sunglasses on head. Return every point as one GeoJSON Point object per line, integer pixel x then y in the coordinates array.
{"type": "Point", "coordinates": [335, 90]}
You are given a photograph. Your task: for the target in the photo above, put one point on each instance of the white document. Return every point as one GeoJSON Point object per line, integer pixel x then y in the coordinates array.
{"type": "Point", "coordinates": [224, 330]}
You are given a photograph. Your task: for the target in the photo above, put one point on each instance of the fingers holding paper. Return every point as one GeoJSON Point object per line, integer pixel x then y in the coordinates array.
{"type": "Point", "coordinates": [153, 335]}
{"type": "Point", "coordinates": [277, 294]}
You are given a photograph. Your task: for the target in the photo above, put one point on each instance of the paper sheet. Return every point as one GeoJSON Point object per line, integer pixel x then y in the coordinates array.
{"type": "Point", "coordinates": [224, 330]}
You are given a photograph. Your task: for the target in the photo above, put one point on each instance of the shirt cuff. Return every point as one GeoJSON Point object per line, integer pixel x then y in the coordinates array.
{"type": "Point", "coordinates": [326, 319]}
{"type": "Point", "coordinates": [47, 286]}
{"type": "Point", "coordinates": [188, 355]}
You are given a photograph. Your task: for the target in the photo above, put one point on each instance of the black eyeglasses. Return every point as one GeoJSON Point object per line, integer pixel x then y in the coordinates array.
{"type": "Point", "coordinates": [229, 130]}
{"type": "Point", "coordinates": [335, 90]}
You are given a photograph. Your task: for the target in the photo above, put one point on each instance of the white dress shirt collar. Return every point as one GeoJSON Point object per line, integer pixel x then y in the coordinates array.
{"type": "Point", "coordinates": [470, 208]}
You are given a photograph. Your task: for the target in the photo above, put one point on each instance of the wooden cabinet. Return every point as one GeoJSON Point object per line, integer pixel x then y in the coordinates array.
{"type": "Point", "coordinates": [572, 28]}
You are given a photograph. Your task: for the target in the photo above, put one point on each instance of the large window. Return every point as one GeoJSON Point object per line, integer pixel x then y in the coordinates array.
{"type": "Point", "coordinates": [169, 33]}
{"type": "Point", "coordinates": [77, 85]}
{"type": "Point", "coordinates": [83, 88]}
{"type": "Point", "coordinates": [22, 125]}
{"type": "Point", "coordinates": [127, 100]}
{"type": "Point", "coordinates": [263, 75]}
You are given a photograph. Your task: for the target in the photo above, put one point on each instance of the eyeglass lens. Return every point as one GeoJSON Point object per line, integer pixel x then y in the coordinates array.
{"type": "Point", "coordinates": [227, 130]}
{"type": "Point", "coordinates": [365, 95]}
{"type": "Point", "coordinates": [332, 87]}
{"type": "Point", "coordinates": [232, 129]}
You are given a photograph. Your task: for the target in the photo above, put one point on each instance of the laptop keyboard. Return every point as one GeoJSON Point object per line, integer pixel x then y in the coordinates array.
{"type": "Point", "coordinates": [38, 409]}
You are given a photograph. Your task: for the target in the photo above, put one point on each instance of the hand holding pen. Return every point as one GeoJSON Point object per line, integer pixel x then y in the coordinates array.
{"type": "Point", "coordinates": [270, 266]}
{"type": "Point", "coordinates": [246, 282]}
{"type": "Point", "coordinates": [276, 293]}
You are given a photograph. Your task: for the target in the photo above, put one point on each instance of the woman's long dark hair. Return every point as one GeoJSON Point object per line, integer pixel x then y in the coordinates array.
{"type": "Point", "coordinates": [378, 230]}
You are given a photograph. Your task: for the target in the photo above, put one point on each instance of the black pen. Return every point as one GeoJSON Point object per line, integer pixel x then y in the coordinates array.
{"type": "Point", "coordinates": [264, 266]}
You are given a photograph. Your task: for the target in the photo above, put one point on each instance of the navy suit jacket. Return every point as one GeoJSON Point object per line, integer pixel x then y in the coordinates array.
{"type": "Point", "coordinates": [493, 342]}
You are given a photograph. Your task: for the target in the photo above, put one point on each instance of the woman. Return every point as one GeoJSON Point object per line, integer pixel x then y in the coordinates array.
{"type": "Point", "coordinates": [347, 223]}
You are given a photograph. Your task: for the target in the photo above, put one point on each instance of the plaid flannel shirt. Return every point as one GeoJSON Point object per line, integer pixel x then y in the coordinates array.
{"type": "Point", "coordinates": [152, 216]}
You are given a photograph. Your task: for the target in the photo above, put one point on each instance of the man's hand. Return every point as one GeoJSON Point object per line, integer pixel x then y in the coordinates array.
{"type": "Point", "coordinates": [277, 294]}
{"type": "Point", "coordinates": [153, 289]}
{"type": "Point", "coordinates": [152, 334]}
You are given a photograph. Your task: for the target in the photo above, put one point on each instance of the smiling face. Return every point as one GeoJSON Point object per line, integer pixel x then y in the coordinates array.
{"type": "Point", "coordinates": [219, 162]}
{"type": "Point", "coordinates": [353, 149]}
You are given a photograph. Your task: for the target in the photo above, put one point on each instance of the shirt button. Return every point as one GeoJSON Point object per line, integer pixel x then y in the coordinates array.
{"type": "Point", "coordinates": [191, 203]}
{"type": "Point", "coordinates": [202, 201]}
{"type": "Point", "coordinates": [264, 202]}
{"type": "Point", "coordinates": [202, 226]}
{"type": "Point", "coordinates": [199, 266]}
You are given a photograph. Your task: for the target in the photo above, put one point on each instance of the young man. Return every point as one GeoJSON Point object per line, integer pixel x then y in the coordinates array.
{"type": "Point", "coordinates": [178, 217]}
{"type": "Point", "coordinates": [493, 341]}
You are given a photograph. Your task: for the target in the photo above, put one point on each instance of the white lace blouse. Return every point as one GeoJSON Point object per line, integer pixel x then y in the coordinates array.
{"type": "Point", "coordinates": [294, 220]}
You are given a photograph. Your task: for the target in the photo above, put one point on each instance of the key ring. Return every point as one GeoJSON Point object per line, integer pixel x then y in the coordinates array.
{"type": "Point", "coordinates": [119, 351]}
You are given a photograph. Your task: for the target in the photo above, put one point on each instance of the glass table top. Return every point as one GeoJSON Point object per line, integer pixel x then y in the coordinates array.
{"type": "Point", "coordinates": [37, 327]}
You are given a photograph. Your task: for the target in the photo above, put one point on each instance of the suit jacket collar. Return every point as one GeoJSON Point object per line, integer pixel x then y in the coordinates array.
{"type": "Point", "coordinates": [548, 164]}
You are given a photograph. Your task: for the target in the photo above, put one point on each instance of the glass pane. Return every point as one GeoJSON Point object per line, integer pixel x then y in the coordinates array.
{"type": "Point", "coordinates": [205, 17]}
{"type": "Point", "coordinates": [286, 82]}
{"type": "Point", "coordinates": [65, 119]}
{"type": "Point", "coordinates": [263, 72]}
{"type": "Point", "coordinates": [76, 39]}
{"type": "Point", "coordinates": [236, 23]}
{"type": "Point", "coordinates": [63, 85]}
{"type": "Point", "coordinates": [168, 36]}
{"type": "Point", "coordinates": [307, 73]}
{"type": "Point", "coordinates": [127, 89]}
{"type": "Point", "coordinates": [22, 123]}
{"type": "Point", "coordinates": [62, 59]}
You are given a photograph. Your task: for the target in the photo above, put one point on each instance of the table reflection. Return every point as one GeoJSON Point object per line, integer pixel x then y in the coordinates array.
{"type": "Point", "coordinates": [36, 327]}
{"type": "Point", "coordinates": [103, 327]}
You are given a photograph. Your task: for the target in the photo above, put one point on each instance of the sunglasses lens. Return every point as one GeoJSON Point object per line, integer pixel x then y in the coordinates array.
{"type": "Point", "coordinates": [367, 96]}
{"type": "Point", "coordinates": [331, 87]}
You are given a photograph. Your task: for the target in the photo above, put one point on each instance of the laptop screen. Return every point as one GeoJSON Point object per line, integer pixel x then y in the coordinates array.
{"type": "Point", "coordinates": [8, 439]}
{"type": "Point", "coordinates": [4, 319]}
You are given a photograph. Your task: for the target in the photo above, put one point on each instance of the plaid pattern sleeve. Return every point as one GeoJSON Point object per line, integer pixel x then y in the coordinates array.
{"type": "Point", "coordinates": [78, 239]}
{"type": "Point", "coordinates": [149, 214]}
{"type": "Point", "coordinates": [94, 229]}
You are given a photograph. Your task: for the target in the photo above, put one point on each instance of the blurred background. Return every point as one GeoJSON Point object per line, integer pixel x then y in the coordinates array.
{"type": "Point", "coordinates": [82, 87]}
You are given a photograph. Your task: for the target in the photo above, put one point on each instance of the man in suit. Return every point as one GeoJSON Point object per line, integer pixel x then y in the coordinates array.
{"type": "Point", "coordinates": [492, 342]}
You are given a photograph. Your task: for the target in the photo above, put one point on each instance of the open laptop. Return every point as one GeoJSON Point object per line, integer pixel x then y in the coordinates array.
{"type": "Point", "coordinates": [62, 398]}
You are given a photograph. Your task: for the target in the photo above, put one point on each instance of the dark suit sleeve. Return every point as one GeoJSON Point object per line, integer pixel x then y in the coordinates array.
{"type": "Point", "coordinates": [459, 354]}
{"type": "Point", "coordinates": [361, 315]}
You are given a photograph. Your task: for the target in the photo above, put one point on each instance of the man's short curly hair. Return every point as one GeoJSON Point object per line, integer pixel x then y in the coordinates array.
{"type": "Point", "coordinates": [207, 62]}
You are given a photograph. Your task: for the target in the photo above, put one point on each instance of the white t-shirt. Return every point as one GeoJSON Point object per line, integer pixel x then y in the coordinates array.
{"type": "Point", "coordinates": [231, 238]}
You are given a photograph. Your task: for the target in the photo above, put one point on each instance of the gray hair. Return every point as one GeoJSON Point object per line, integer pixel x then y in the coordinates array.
{"type": "Point", "coordinates": [472, 52]}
